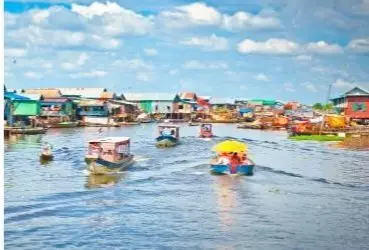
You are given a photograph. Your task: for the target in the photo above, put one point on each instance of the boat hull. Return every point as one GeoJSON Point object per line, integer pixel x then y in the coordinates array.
{"type": "Point", "coordinates": [46, 157]}
{"type": "Point", "coordinates": [243, 169]}
{"type": "Point", "coordinates": [166, 141]}
{"type": "Point", "coordinates": [99, 166]}
{"type": "Point", "coordinates": [206, 135]}
{"type": "Point", "coordinates": [64, 125]}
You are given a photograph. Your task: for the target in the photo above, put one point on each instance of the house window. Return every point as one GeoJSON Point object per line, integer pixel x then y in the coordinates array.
{"type": "Point", "coordinates": [359, 107]}
{"type": "Point", "coordinates": [180, 106]}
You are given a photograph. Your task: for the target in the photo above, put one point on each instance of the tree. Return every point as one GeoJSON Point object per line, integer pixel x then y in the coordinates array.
{"type": "Point", "coordinates": [318, 106]}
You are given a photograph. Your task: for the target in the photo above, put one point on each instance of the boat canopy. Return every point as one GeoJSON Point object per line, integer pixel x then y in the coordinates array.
{"type": "Point", "coordinates": [168, 126]}
{"type": "Point", "coordinates": [230, 146]}
{"type": "Point", "coordinates": [111, 140]}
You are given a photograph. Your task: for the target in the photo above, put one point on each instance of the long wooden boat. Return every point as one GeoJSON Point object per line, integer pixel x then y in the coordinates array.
{"type": "Point", "coordinates": [109, 155]}
{"type": "Point", "coordinates": [193, 124]}
{"type": "Point", "coordinates": [25, 131]}
{"type": "Point", "coordinates": [168, 136]}
{"type": "Point", "coordinates": [244, 168]}
{"type": "Point", "coordinates": [64, 125]}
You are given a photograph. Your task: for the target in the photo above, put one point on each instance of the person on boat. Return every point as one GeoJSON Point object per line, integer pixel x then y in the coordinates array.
{"type": "Point", "coordinates": [235, 159]}
{"type": "Point", "coordinates": [172, 133]}
{"type": "Point", "coordinates": [235, 162]}
{"type": "Point", "coordinates": [47, 149]}
{"type": "Point", "coordinates": [223, 159]}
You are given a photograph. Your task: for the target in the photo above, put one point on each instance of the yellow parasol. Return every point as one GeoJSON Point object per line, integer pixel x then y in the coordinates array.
{"type": "Point", "coordinates": [230, 146]}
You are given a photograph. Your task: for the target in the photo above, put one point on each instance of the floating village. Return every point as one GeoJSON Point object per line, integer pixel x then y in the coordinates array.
{"type": "Point", "coordinates": [344, 120]}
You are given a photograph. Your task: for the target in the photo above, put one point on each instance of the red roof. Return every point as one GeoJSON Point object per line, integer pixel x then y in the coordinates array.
{"type": "Point", "coordinates": [55, 100]}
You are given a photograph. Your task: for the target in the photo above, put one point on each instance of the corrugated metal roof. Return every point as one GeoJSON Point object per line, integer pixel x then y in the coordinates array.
{"type": "Point", "coordinates": [56, 100]}
{"type": "Point", "coordinates": [45, 92]}
{"type": "Point", "coordinates": [123, 102]}
{"type": "Point", "coordinates": [188, 95]}
{"type": "Point", "coordinates": [206, 98]}
{"type": "Point", "coordinates": [221, 100]}
{"type": "Point", "coordinates": [91, 103]}
{"type": "Point", "coordinates": [107, 95]}
{"type": "Point", "coordinates": [149, 96]}
{"type": "Point", "coordinates": [83, 92]}
{"type": "Point", "coordinates": [34, 97]}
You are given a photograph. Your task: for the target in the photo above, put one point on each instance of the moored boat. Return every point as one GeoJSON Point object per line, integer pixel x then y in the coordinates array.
{"type": "Point", "coordinates": [168, 136]}
{"type": "Point", "coordinates": [232, 159]}
{"type": "Point", "coordinates": [206, 130]}
{"type": "Point", "coordinates": [109, 155]}
{"type": "Point", "coordinates": [64, 125]}
{"type": "Point", "coordinates": [25, 131]}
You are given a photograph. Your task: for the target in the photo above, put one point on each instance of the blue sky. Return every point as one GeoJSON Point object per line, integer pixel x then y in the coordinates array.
{"type": "Point", "coordinates": [280, 49]}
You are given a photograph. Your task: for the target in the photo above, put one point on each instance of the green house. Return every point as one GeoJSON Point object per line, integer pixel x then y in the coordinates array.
{"type": "Point", "coordinates": [25, 108]}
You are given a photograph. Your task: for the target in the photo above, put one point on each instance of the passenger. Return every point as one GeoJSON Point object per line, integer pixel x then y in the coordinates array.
{"type": "Point", "coordinates": [235, 159]}
{"type": "Point", "coordinates": [223, 159]}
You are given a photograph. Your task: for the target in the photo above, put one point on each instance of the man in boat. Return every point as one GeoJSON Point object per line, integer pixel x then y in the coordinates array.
{"type": "Point", "coordinates": [223, 159]}
{"type": "Point", "coordinates": [235, 161]}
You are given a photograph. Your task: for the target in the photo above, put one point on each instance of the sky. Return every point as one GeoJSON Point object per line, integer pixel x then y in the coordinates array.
{"type": "Point", "coordinates": [277, 49]}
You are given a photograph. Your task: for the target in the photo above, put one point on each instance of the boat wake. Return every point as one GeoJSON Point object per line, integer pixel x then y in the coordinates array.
{"type": "Point", "coordinates": [320, 180]}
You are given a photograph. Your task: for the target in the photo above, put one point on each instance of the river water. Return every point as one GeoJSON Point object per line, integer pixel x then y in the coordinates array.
{"type": "Point", "coordinates": [303, 195]}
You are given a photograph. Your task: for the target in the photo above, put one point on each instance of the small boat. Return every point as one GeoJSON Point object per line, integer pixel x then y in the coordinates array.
{"type": "Point", "coordinates": [231, 159]}
{"type": "Point", "coordinates": [144, 118]}
{"type": "Point", "coordinates": [206, 130]}
{"type": "Point", "coordinates": [244, 168]}
{"type": "Point", "coordinates": [168, 136]}
{"type": "Point", "coordinates": [46, 154]}
{"type": "Point", "coordinates": [109, 155]}
{"type": "Point", "coordinates": [64, 125]}
{"type": "Point", "coordinates": [26, 130]}
{"type": "Point", "coordinates": [192, 123]}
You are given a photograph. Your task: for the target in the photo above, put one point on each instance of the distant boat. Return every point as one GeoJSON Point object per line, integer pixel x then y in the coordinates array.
{"type": "Point", "coordinates": [109, 155]}
{"type": "Point", "coordinates": [46, 154]}
{"type": "Point", "coordinates": [168, 136]}
{"type": "Point", "coordinates": [206, 130]}
{"type": "Point", "coordinates": [193, 124]}
{"type": "Point", "coordinates": [144, 118]}
{"type": "Point", "coordinates": [64, 125]}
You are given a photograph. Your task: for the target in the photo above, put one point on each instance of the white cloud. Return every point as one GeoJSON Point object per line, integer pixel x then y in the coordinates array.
{"type": "Point", "coordinates": [278, 46]}
{"type": "Point", "coordinates": [143, 76]}
{"type": "Point", "coordinates": [243, 20]}
{"type": "Point", "coordinates": [196, 65]}
{"type": "Point", "coordinates": [304, 58]}
{"type": "Point", "coordinates": [33, 75]}
{"type": "Point", "coordinates": [200, 14]}
{"type": "Point", "coordinates": [309, 86]}
{"type": "Point", "coordinates": [340, 83]}
{"type": "Point", "coordinates": [360, 45]}
{"type": "Point", "coordinates": [133, 64]}
{"type": "Point", "coordinates": [151, 52]}
{"type": "Point", "coordinates": [60, 39]}
{"type": "Point", "coordinates": [261, 77]}
{"type": "Point", "coordinates": [15, 52]}
{"type": "Point", "coordinates": [271, 46]}
{"type": "Point", "coordinates": [322, 47]}
{"type": "Point", "coordinates": [289, 87]}
{"type": "Point", "coordinates": [80, 61]}
{"type": "Point", "coordinates": [114, 20]}
{"type": "Point", "coordinates": [91, 74]}
{"type": "Point", "coordinates": [190, 15]}
{"type": "Point", "coordinates": [211, 43]}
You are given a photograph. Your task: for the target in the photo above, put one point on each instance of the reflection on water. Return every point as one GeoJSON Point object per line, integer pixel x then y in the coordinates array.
{"type": "Point", "coordinates": [226, 191]}
{"type": "Point", "coordinates": [103, 181]}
